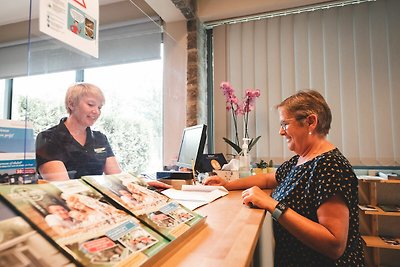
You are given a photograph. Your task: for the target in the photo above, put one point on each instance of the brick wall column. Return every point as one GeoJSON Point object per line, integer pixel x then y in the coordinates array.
{"type": "Point", "coordinates": [196, 105]}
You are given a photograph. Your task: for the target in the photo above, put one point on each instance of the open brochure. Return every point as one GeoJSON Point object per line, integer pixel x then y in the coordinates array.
{"type": "Point", "coordinates": [161, 213]}
{"type": "Point", "coordinates": [194, 196]}
{"type": "Point", "coordinates": [77, 219]}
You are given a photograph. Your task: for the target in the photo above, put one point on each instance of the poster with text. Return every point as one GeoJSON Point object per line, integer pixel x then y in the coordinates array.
{"type": "Point", "coordinates": [17, 152]}
{"type": "Point", "coordinates": [74, 22]}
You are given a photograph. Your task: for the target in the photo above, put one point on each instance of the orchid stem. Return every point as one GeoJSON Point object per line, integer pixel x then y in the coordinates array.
{"type": "Point", "coordinates": [235, 124]}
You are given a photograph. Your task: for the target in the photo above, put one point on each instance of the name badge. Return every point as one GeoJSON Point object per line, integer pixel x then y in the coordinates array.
{"type": "Point", "coordinates": [100, 150]}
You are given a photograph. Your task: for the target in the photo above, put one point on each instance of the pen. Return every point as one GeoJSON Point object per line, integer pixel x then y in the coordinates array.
{"type": "Point", "coordinates": [193, 172]}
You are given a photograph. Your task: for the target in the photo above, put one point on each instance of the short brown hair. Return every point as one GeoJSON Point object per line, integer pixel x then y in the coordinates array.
{"type": "Point", "coordinates": [78, 90]}
{"type": "Point", "coordinates": [307, 102]}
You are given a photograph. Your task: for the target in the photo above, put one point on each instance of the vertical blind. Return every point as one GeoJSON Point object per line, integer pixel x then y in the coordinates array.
{"type": "Point", "coordinates": [349, 54]}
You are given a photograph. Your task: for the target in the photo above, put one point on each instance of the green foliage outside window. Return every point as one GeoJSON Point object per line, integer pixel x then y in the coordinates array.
{"type": "Point", "coordinates": [129, 139]}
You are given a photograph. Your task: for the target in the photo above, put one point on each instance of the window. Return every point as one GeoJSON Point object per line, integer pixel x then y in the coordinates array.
{"type": "Point", "coordinates": [132, 115]}
{"type": "Point", "coordinates": [40, 98]}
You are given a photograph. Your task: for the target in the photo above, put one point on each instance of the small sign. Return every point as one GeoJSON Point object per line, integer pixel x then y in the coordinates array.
{"type": "Point", "coordinates": [73, 22]}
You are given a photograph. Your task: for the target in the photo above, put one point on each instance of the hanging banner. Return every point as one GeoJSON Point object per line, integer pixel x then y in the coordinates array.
{"type": "Point", "coordinates": [74, 22]}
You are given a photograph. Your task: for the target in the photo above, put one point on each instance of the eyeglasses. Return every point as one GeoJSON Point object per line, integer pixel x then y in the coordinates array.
{"type": "Point", "coordinates": [284, 124]}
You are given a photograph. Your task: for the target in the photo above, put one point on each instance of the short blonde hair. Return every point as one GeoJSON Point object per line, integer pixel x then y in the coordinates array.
{"type": "Point", "coordinates": [79, 90]}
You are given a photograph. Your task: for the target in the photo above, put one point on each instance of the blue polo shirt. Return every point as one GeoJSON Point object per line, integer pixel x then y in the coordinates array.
{"type": "Point", "coordinates": [57, 143]}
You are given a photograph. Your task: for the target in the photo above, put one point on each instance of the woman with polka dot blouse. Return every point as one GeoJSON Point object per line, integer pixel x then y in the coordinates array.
{"type": "Point", "coordinates": [314, 202]}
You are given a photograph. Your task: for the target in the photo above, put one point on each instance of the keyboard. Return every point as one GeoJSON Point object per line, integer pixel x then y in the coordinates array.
{"type": "Point", "coordinates": [151, 176]}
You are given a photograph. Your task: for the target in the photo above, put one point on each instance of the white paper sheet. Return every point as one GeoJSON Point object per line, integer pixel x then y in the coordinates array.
{"type": "Point", "coordinates": [194, 196]}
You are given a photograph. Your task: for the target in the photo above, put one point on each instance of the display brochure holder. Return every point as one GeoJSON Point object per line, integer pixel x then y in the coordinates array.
{"type": "Point", "coordinates": [79, 221]}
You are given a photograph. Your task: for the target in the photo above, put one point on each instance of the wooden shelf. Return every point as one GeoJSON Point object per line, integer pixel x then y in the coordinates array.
{"type": "Point", "coordinates": [380, 212]}
{"type": "Point", "coordinates": [382, 181]}
{"type": "Point", "coordinates": [372, 222]}
{"type": "Point", "coordinates": [377, 242]}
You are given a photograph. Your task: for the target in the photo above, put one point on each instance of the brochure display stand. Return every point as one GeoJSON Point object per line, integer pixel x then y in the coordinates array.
{"type": "Point", "coordinates": [92, 229]}
{"type": "Point", "coordinates": [77, 219]}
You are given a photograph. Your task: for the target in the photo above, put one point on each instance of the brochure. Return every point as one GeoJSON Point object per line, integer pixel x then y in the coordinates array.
{"type": "Point", "coordinates": [21, 245]}
{"type": "Point", "coordinates": [81, 222]}
{"type": "Point", "coordinates": [164, 215]}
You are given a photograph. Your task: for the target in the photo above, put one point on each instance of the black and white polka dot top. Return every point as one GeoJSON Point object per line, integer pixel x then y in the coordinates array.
{"type": "Point", "coordinates": [304, 188]}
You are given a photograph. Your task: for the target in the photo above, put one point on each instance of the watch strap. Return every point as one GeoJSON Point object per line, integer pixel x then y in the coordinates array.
{"type": "Point", "coordinates": [280, 208]}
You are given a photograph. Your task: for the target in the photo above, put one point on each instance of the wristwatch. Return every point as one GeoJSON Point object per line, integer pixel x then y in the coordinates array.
{"type": "Point", "coordinates": [280, 208]}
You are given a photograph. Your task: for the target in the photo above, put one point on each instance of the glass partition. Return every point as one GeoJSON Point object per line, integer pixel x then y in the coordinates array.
{"type": "Point", "coordinates": [36, 71]}
{"type": "Point", "coordinates": [134, 110]}
{"type": "Point", "coordinates": [2, 99]}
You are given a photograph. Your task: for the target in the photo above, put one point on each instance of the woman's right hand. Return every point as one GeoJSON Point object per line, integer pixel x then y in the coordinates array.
{"type": "Point", "coordinates": [214, 180]}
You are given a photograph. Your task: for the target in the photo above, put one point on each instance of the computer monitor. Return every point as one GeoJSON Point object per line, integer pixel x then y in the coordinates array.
{"type": "Point", "coordinates": [192, 146]}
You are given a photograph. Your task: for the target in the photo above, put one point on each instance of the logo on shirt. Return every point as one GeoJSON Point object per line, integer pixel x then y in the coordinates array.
{"type": "Point", "coordinates": [100, 150]}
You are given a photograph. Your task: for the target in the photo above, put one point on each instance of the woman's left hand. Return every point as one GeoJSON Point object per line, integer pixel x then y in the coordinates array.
{"type": "Point", "coordinates": [255, 197]}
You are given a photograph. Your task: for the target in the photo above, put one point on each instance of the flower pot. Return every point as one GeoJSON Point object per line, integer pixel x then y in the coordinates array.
{"type": "Point", "coordinates": [259, 170]}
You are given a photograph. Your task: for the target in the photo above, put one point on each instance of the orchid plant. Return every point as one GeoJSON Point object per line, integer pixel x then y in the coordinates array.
{"type": "Point", "coordinates": [237, 109]}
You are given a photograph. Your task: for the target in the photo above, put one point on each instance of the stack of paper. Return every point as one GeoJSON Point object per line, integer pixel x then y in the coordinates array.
{"type": "Point", "coordinates": [194, 196]}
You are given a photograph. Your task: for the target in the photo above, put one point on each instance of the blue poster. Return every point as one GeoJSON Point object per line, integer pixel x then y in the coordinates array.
{"type": "Point", "coordinates": [17, 153]}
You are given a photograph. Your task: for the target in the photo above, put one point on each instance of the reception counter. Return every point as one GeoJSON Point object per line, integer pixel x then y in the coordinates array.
{"type": "Point", "coordinates": [228, 238]}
